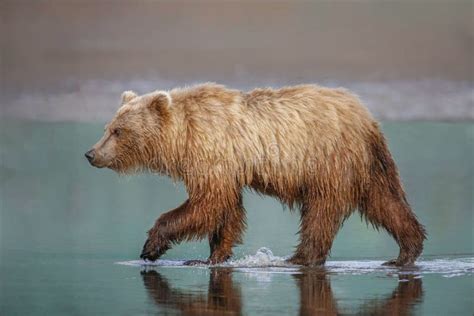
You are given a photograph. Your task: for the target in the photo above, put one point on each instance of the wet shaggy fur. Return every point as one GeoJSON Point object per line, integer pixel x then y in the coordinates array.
{"type": "Point", "coordinates": [315, 149]}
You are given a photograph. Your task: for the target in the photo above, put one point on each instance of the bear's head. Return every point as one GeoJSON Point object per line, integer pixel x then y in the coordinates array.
{"type": "Point", "coordinates": [134, 135]}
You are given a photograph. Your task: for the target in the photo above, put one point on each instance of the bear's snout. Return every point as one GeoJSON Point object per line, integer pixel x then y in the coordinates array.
{"type": "Point", "coordinates": [96, 158]}
{"type": "Point", "coordinates": [90, 154]}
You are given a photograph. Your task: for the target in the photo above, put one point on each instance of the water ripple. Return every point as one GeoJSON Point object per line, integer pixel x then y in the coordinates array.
{"type": "Point", "coordinates": [263, 261]}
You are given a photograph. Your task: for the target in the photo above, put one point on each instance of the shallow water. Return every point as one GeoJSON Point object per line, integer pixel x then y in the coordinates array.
{"type": "Point", "coordinates": [264, 261]}
{"type": "Point", "coordinates": [71, 234]}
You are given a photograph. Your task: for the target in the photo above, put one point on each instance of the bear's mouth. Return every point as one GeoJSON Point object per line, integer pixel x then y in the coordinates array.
{"type": "Point", "coordinates": [97, 165]}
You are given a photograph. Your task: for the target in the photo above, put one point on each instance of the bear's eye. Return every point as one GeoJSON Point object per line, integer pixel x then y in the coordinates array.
{"type": "Point", "coordinates": [116, 131]}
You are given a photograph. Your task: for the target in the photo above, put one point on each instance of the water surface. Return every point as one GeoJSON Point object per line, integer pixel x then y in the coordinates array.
{"type": "Point", "coordinates": [71, 234]}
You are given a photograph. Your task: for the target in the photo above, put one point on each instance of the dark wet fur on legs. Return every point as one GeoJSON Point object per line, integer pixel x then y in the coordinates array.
{"type": "Point", "coordinates": [385, 205]}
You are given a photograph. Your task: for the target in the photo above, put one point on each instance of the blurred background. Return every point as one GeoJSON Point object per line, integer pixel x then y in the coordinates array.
{"type": "Point", "coordinates": [65, 63]}
{"type": "Point", "coordinates": [69, 60]}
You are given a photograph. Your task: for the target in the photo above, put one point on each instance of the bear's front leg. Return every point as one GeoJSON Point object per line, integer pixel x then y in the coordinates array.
{"type": "Point", "coordinates": [224, 239]}
{"type": "Point", "coordinates": [155, 246]}
{"type": "Point", "coordinates": [160, 236]}
{"type": "Point", "coordinates": [227, 234]}
{"type": "Point", "coordinates": [193, 220]}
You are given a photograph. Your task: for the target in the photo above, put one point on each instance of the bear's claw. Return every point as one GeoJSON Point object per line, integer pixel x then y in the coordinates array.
{"type": "Point", "coordinates": [399, 263]}
{"type": "Point", "coordinates": [392, 262]}
{"type": "Point", "coordinates": [196, 262]}
{"type": "Point", "coordinates": [149, 255]}
{"type": "Point", "coordinates": [152, 252]}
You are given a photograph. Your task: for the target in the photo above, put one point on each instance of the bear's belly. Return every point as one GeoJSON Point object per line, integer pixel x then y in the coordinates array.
{"type": "Point", "coordinates": [286, 194]}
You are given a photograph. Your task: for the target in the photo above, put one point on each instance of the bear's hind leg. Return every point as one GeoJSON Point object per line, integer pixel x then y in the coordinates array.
{"type": "Point", "coordinates": [385, 204]}
{"type": "Point", "coordinates": [318, 228]}
{"type": "Point", "coordinates": [392, 212]}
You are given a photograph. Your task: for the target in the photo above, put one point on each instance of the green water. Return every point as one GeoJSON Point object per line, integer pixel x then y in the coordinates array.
{"type": "Point", "coordinates": [64, 225]}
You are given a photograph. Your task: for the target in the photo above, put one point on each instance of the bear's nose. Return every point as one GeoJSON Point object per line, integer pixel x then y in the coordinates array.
{"type": "Point", "coordinates": [90, 155]}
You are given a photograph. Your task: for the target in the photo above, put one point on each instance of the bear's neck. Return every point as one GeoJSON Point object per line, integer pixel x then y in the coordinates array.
{"type": "Point", "coordinates": [170, 146]}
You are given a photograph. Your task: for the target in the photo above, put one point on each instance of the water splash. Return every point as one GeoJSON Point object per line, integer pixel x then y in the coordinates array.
{"type": "Point", "coordinates": [264, 261]}
{"type": "Point", "coordinates": [261, 259]}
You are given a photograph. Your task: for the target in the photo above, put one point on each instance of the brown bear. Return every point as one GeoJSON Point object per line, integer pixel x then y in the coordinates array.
{"type": "Point", "coordinates": [316, 149]}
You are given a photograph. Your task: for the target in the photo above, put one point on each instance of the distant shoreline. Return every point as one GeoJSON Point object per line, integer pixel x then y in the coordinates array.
{"type": "Point", "coordinates": [395, 100]}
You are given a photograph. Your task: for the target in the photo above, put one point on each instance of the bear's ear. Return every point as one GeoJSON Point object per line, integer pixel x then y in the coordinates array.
{"type": "Point", "coordinates": [160, 100]}
{"type": "Point", "coordinates": [128, 96]}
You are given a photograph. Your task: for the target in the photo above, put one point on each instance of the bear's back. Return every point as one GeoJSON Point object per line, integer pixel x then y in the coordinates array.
{"type": "Point", "coordinates": [273, 133]}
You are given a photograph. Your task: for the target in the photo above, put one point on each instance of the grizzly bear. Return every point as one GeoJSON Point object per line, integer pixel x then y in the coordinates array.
{"type": "Point", "coordinates": [316, 149]}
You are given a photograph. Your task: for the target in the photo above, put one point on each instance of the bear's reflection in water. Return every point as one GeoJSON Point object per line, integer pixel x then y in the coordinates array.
{"type": "Point", "coordinates": [223, 296]}
{"type": "Point", "coordinates": [316, 296]}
